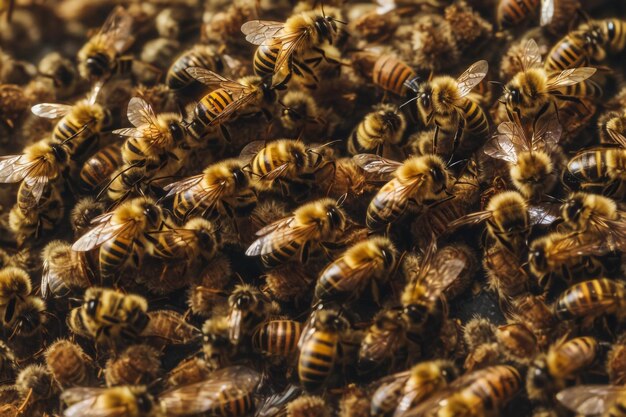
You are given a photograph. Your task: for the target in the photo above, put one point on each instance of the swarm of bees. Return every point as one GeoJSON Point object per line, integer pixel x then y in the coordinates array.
{"type": "Point", "coordinates": [303, 209]}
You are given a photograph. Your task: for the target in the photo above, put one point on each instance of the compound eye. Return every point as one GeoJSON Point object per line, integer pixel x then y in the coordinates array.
{"type": "Point", "coordinates": [240, 178]}
{"type": "Point", "coordinates": [425, 100]}
{"type": "Point", "coordinates": [152, 213]}
{"type": "Point", "coordinates": [244, 300]}
{"type": "Point", "coordinates": [176, 131]}
{"type": "Point", "coordinates": [92, 306]}
{"type": "Point", "coordinates": [515, 96]}
{"type": "Point", "coordinates": [387, 258]}
{"type": "Point", "coordinates": [299, 158]}
{"type": "Point", "coordinates": [437, 174]}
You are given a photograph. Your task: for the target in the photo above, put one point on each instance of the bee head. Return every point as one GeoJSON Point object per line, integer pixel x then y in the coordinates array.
{"type": "Point", "coordinates": [573, 208]}
{"type": "Point", "coordinates": [176, 130]}
{"type": "Point", "coordinates": [98, 64]}
{"type": "Point", "coordinates": [152, 213]}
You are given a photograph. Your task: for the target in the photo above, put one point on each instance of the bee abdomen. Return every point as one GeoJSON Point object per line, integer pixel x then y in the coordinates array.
{"type": "Point", "coordinates": [317, 359]}
{"type": "Point", "coordinates": [278, 337]}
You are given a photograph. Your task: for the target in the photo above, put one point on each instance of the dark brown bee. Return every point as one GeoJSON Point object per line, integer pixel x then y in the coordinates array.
{"type": "Point", "coordinates": [137, 365]}
{"type": "Point", "coordinates": [277, 338]}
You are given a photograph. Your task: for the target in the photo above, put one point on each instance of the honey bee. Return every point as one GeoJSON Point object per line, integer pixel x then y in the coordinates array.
{"type": "Point", "coordinates": [99, 168]}
{"type": "Point", "coordinates": [505, 273]}
{"type": "Point", "coordinates": [507, 220]}
{"type": "Point", "coordinates": [109, 316]}
{"type": "Point", "coordinates": [591, 299]}
{"type": "Point", "coordinates": [592, 400]}
{"type": "Point", "coordinates": [216, 345]}
{"type": "Point", "coordinates": [61, 71]}
{"type": "Point", "coordinates": [68, 364]}
{"type": "Point", "coordinates": [40, 163]}
{"type": "Point", "coordinates": [364, 262]}
{"type": "Point", "coordinates": [597, 170]}
{"type": "Point", "coordinates": [85, 210]}
{"type": "Point", "coordinates": [308, 406]}
{"type": "Point", "coordinates": [227, 98]}
{"type": "Point", "coordinates": [222, 188]}
{"type": "Point", "coordinates": [188, 371]}
{"type": "Point", "coordinates": [612, 128]}
{"type": "Point", "coordinates": [264, 65]}
{"type": "Point", "coordinates": [120, 234]}
{"type": "Point", "coordinates": [248, 307]}
{"type": "Point", "coordinates": [35, 385]}
{"type": "Point", "coordinates": [63, 270]}
{"type": "Point", "coordinates": [568, 256]}
{"type": "Point", "coordinates": [320, 345]}
{"type": "Point", "coordinates": [28, 220]}
{"type": "Point", "coordinates": [304, 32]}
{"type": "Point", "coordinates": [79, 124]}
{"type": "Point", "coordinates": [530, 160]}
{"type": "Point", "coordinates": [277, 338]}
{"type": "Point", "coordinates": [293, 237]}
{"type": "Point", "coordinates": [29, 319]}
{"type": "Point", "coordinates": [136, 365]}
{"type": "Point", "coordinates": [170, 327]}
{"type": "Point", "coordinates": [416, 180]}
{"type": "Point", "coordinates": [422, 298]}
{"type": "Point", "coordinates": [387, 394]}
{"type": "Point", "coordinates": [15, 286]}
{"type": "Point", "coordinates": [392, 74]}
{"type": "Point", "coordinates": [513, 13]}
{"type": "Point", "coordinates": [8, 363]}
{"type": "Point", "coordinates": [152, 137]}
{"type": "Point", "coordinates": [444, 101]}
{"type": "Point", "coordinates": [533, 89]}
{"type": "Point", "coordinates": [101, 56]}
{"type": "Point", "coordinates": [286, 163]}
{"type": "Point", "coordinates": [202, 56]}
{"type": "Point", "coordinates": [565, 359]}
{"type": "Point", "coordinates": [383, 341]}
{"type": "Point", "coordinates": [382, 127]}
{"type": "Point", "coordinates": [300, 111]}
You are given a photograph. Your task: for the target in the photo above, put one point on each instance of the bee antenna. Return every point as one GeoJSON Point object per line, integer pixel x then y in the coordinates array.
{"type": "Point", "coordinates": [133, 165]}
{"type": "Point", "coordinates": [342, 199]}
{"type": "Point", "coordinates": [407, 102]}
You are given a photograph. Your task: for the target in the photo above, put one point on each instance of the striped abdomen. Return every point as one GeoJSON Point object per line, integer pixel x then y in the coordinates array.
{"type": "Point", "coordinates": [114, 253]}
{"type": "Point", "coordinates": [233, 402]}
{"type": "Point", "coordinates": [566, 53]}
{"type": "Point", "coordinates": [614, 34]}
{"type": "Point", "coordinates": [586, 166]}
{"type": "Point", "coordinates": [265, 161]}
{"type": "Point", "coordinates": [476, 123]}
{"type": "Point", "coordinates": [277, 337]}
{"type": "Point", "coordinates": [98, 169]}
{"type": "Point", "coordinates": [265, 58]}
{"type": "Point", "coordinates": [590, 298]}
{"type": "Point", "coordinates": [280, 255]}
{"type": "Point", "coordinates": [384, 210]}
{"type": "Point", "coordinates": [208, 109]}
{"type": "Point", "coordinates": [494, 387]}
{"type": "Point", "coordinates": [187, 203]}
{"type": "Point", "coordinates": [584, 89]}
{"type": "Point", "coordinates": [390, 74]}
{"type": "Point", "coordinates": [513, 12]}
{"type": "Point", "coordinates": [317, 359]}
{"type": "Point", "coordinates": [332, 282]}
{"type": "Point", "coordinates": [178, 77]}
{"type": "Point", "coordinates": [572, 356]}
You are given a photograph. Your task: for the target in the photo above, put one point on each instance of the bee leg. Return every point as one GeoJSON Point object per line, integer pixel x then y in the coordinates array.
{"type": "Point", "coordinates": [225, 133]}
{"type": "Point", "coordinates": [457, 136]}
{"type": "Point", "coordinates": [435, 137]}
{"type": "Point", "coordinates": [304, 252]}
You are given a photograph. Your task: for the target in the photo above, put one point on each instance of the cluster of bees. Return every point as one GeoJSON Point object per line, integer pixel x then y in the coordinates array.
{"type": "Point", "coordinates": [314, 215]}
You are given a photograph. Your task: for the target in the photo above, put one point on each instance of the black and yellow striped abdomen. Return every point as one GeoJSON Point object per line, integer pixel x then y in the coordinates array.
{"type": "Point", "coordinates": [98, 169]}
{"type": "Point", "coordinates": [586, 166]}
{"type": "Point", "coordinates": [329, 283]}
{"type": "Point", "coordinates": [494, 387]}
{"type": "Point", "coordinates": [476, 122]}
{"type": "Point", "coordinates": [572, 356]}
{"type": "Point", "coordinates": [207, 109]}
{"type": "Point", "coordinates": [614, 34]}
{"type": "Point", "coordinates": [115, 253]}
{"type": "Point", "coordinates": [567, 53]}
{"type": "Point", "coordinates": [590, 298]}
{"type": "Point", "coordinates": [282, 254]}
{"type": "Point", "coordinates": [177, 75]}
{"type": "Point", "coordinates": [233, 402]}
{"type": "Point", "coordinates": [514, 12]}
{"type": "Point", "coordinates": [277, 338]}
{"type": "Point", "coordinates": [384, 210]}
{"type": "Point", "coordinates": [317, 359]}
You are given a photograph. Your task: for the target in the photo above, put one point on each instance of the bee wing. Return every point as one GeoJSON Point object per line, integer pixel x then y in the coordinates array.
{"type": "Point", "coordinates": [235, 318]}
{"type": "Point", "coordinates": [251, 149]}
{"type": "Point", "coordinates": [354, 279]}
{"type": "Point", "coordinates": [547, 12]}
{"type": "Point", "coordinates": [14, 168]}
{"type": "Point", "coordinates": [239, 103]}
{"type": "Point", "coordinates": [78, 394]}
{"type": "Point", "coordinates": [547, 134]}
{"type": "Point", "coordinates": [507, 143]}
{"type": "Point", "coordinates": [393, 192]}
{"type": "Point", "coordinates": [543, 214]}
{"type": "Point", "coordinates": [289, 44]}
{"type": "Point", "coordinates": [262, 32]}
{"type": "Point", "coordinates": [271, 406]}
{"type": "Point", "coordinates": [52, 282]}
{"type": "Point", "coordinates": [440, 278]}
{"type": "Point", "coordinates": [376, 164]}
{"type": "Point", "coordinates": [202, 396]}
{"type": "Point", "coordinates": [127, 131]}
{"type": "Point", "coordinates": [37, 186]}
{"type": "Point", "coordinates": [590, 399]}
{"type": "Point", "coordinates": [617, 137]}
{"type": "Point", "coordinates": [51, 110]}
{"type": "Point", "coordinates": [89, 408]}
{"type": "Point", "coordinates": [182, 185]}
{"type": "Point", "coordinates": [615, 229]}
{"type": "Point", "coordinates": [531, 57]}
{"type": "Point", "coordinates": [570, 247]}
{"type": "Point", "coordinates": [470, 219]}
{"type": "Point", "coordinates": [569, 77]}
{"type": "Point", "coordinates": [116, 30]}
{"type": "Point", "coordinates": [214, 80]}
{"type": "Point", "coordinates": [103, 232]}
{"type": "Point", "coordinates": [182, 241]}
{"type": "Point", "coordinates": [180, 332]}
{"type": "Point", "coordinates": [410, 397]}
{"type": "Point", "coordinates": [280, 237]}
{"type": "Point", "coordinates": [273, 226]}
{"type": "Point", "coordinates": [275, 173]}
{"type": "Point", "coordinates": [384, 343]}
{"type": "Point", "coordinates": [140, 113]}
{"type": "Point", "coordinates": [472, 77]}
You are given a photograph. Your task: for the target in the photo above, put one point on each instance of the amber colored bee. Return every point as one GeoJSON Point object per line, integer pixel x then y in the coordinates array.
{"type": "Point", "coordinates": [188, 371]}
{"type": "Point", "coordinates": [592, 400]}
{"type": "Point", "coordinates": [170, 327]}
{"type": "Point", "coordinates": [97, 170]}
{"type": "Point", "coordinates": [248, 307]}
{"type": "Point", "coordinates": [590, 299]}
{"type": "Point", "coordinates": [505, 273]}
{"type": "Point", "coordinates": [63, 270]}
{"type": "Point", "coordinates": [380, 128]}
{"type": "Point", "coordinates": [68, 364]}
{"type": "Point", "coordinates": [391, 74]}
{"type": "Point", "coordinates": [136, 365]}
{"type": "Point", "coordinates": [203, 56]}
{"type": "Point", "coordinates": [384, 339]}
{"type": "Point", "coordinates": [36, 387]}
{"type": "Point", "coordinates": [539, 318]}
{"type": "Point", "coordinates": [517, 341]}
{"type": "Point", "coordinates": [85, 210]}
{"type": "Point", "coordinates": [277, 338]}
{"type": "Point", "coordinates": [598, 170]}
{"type": "Point", "coordinates": [291, 282]}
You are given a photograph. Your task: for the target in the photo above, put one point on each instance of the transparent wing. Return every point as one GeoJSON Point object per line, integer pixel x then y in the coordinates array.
{"type": "Point", "coordinates": [441, 276]}
{"type": "Point", "coordinates": [547, 134]}
{"type": "Point", "coordinates": [262, 32]}
{"type": "Point", "coordinates": [271, 406]}
{"type": "Point", "coordinates": [356, 276]}
{"type": "Point", "coordinates": [140, 112]}
{"type": "Point", "coordinates": [176, 330]}
{"type": "Point", "coordinates": [90, 408]}
{"type": "Point", "coordinates": [14, 168]}
{"type": "Point", "coordinates": [393, 194]}
{"type": "Point", "coordinates": [569, 77]}
{"type": "Point", "coordinates": [51, 110]}
{"type": "Point", "coordinates": [376, 164]}
{"type": "Point", "coordinates": [214, 80]}
{"type": "Point", "coordinates": [251, 149]}
{"type": "Point", "coordinates": [289, 45]}
{"type": "Point", "coordinates": [77, 394]}
{"type": "Point", "coordinates": [103, 232]}
{"type": "Point", "coordinates": [278, 224]}
{"type": "Point", "coordinates": [617, 137]}
{"type": "Point", "coordinates": [280, 237]}
{"type": "Point", "coordinates": [127, 131]}
{"type": "Point", "coordinates": [472, 77]}
{"type": "Point", "coordinates": [470, 219]}
{"type": "Point", "coordinates": [116, 30]}
{"type": "Point", "coordinates": [202, 396]}
{"type": "Point", "coordinates": [36, 187]}
{"type": "Point", "coordinates": [507, 143]}
{"type": "Point", "coordinates": [544, 214]}
{"type": "Point", "coordinates": [570, 247]}
{"type": "Point", "coordinates": [181, 244]}
{"type": "Point", "coordinates": [239, 103]}
{"type": "Point", "coordinates": [547, 12]}
{"type": "Point", "coordinates": [590, 399]}
{"type": "Point", "coordinates": [531, 58]}
{"type": "Point", "coordinates": [182, 185]}
{"type": "Point", "coordinates": [275, 173]}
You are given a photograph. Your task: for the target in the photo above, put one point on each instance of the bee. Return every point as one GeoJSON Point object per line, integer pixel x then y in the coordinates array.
{"type": "Point", "coordinates": [101, 56]}
{"type": "Point", "coordinates": [29, 319]}
{"type": "Point", "coordinates": [291, 282]}
{"type": "Point", "coordinates": [99, 168]}
{"type": "Point", "coordinates": [530, 160]}
{"type": "Point", "coordinates": [308, 406]}
{"type": "Point", "coordinates": [68, 364]}
{"type": "Point", "coordinates": [444, 101]}
{"type": "Point", "coordinates": [301, 116]}
{"type": "Point", "coordinates": [8, 363]}
{"type": "Point", "coordinates": [61, 71]}
{"type": "Point", "coordinates": [85, 210]}
{"type": "Point", "coordinates": [597, 170]}
{"type": "Point", "coordinates": [152, 136]}
{"type": "Point", "coordinates": [387, 394]}
{"type": "Point", "coordinates": [136, 365]}
{"type": "Point", "coordinates": [222, 188]}
{"type": "Point", "coordinates": [591, 299]}
{"type": "Point", "coordinates": [533, 89]}
{"type": "Point", "coordinates": [63, 270]}
{"type": "Point", "coordinates": [588, 400]}
{"type": "Point", "coordinates": [227, 98]}
{"type": "Point", "coordinates": [382, 127]}
{"type": "Point", "coordinates": [203, 56]}
{"type": "Point", "coordinates": [170, 328]}
{"type": "Point", "coordinates": [248, 307]}
{"type": "Point", "coordinates": [228, 393]}
{"type": "Point", "coordinates": [127, 181]}
{"type": "Point", "coordinates": [120, 234]}
{"type": "Point", "coordinates": [569, 256]}
{"type": "Point", "coordinates": [505, 273]}
{"type": "Point", "coordinates": [109, 316]}
{"type": "Point", "coordinates": [216, 345]}
{"type": "Point", "coordinates": [40, 163]}
{"type": "Point", "coordinates": [15, 286]}
{"type": "Point", "coordinates": [35, 385]}
{"type": "Point", "coordinates": [364, 262]}
{"type": "Point", "coordinates": [32, 220]}
{"type": "Point", "coordinates": [320, 347]}
{"type": "Point", "coordinates": [383, 341]}
{"type": "Point", "coordinates": [514, 12]}
{"type": "Point", "coordinates": [517, 342]}
{"type": "Point", "coordinates": [264, 65]}
{"type": "Point", "coordinates": [392, 74]}
{"type": "Point", "coordinates": [277, 338]}
{"type": "Point", "coordinates": [422, 297]}
{"type": "Point", "coordinates": [550, 372]}
{"type": "Point", "coordinates": [303, 32]}
{"type": "Point", "coordinates": [79, 124]}
{"type": "Point", "coordinates": [508, 221]}
{"type": "Point", "coordinates": [416, 180]}
{"type": "Point", "coordinates": [293, 237]}
{"type": "Point", "coordinates": [612, 128]}
{"type": "Point", "coordinates": [188, 371]}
